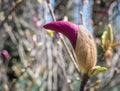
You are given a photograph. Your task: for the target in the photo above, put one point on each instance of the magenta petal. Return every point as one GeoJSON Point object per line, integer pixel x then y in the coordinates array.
{"type": "Point", "coordinates": [67, 28]}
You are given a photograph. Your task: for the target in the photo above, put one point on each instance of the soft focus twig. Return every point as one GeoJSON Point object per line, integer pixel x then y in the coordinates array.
{"type": "Point", "coordinates": [21, 74]}
{"type": "Point", "coordinates": [109, 81]}
{"type": "Point", "coordinates": [81, 16]}
{"type": "Point", "coordinates": [65, 46]}
{"type": "Point", "coordinates": [12, 9]}
{"type": "Point", "coordinates": [50, 65]}
{"type": "Point", "coordinates": [63, 42]}
{"type": "Point", "coordinates": [10, 33]}
{"type": "Point", "coordinates": [114, 72]}
{"type": "Point", "coordinates": [51, 10]}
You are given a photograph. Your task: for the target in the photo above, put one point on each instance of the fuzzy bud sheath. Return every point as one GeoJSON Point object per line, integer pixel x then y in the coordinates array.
{"type": "Point", "coordinates": [81, 40]}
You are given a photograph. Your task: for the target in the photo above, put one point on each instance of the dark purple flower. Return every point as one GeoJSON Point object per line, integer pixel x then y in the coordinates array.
{"type": "Point", "coordinates": [69, 29]}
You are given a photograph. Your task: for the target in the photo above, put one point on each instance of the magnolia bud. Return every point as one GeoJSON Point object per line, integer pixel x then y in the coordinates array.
{"type": "Point", "coordinates": [81, 40]}
{"type": "Point", "coordinates": [85, 50]}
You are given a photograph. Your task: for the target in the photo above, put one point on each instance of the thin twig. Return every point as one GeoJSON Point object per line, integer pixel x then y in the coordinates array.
{"type": "Point", "coordinates": [51, 11]}
{"type": "Point", "coordinates": [109, 81]}
{"type": "Point", "coordinates": [114, 73]}
{"type": "Point", "coordinates": [63, 42]}
{"type": "Point", "coordinates": [81, 16]}
{"type": "Point", "coordinates": [65, 46]}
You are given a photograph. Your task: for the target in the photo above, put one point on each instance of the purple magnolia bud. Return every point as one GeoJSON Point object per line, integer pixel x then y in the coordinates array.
{"type": "Point", "coordinates": [69, 29]}
{"type": "Point", "coordinates": [5, 54]}
{"type": "Point", "coordinates": [82, 41]}
{"type": "Point", "coordinates": [34, 19]}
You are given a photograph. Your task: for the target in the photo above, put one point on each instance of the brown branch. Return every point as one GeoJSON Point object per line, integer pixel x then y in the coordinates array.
{"type": "Point", "coordinates": [84, 81]}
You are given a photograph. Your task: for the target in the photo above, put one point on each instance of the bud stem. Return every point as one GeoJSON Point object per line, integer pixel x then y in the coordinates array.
{"type": "Point", "coordinates": [84, 81]}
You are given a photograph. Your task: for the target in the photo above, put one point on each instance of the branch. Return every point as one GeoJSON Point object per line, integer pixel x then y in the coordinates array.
{"type": "Point", "coordinates": [71, 56]}
{"type": "Point", "coordinates": [65, 46]}
{"type": "Point", "coordinates": [84, 81]}
{"type": "Point", "coordinates": [109, 81]}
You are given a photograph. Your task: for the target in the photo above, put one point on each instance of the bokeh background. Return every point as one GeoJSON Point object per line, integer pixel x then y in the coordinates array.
{"type": "Point", "coordinates": [33, 59]}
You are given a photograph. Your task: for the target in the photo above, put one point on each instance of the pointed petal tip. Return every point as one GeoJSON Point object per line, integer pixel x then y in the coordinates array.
{"type": "Point", "coordinates": [52, 26]}
{"type": "Point", "coordinates": [45, 26]}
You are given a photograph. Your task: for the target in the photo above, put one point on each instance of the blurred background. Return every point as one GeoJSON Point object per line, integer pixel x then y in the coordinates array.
{"type": "Point", "coordinates": [33, 59]}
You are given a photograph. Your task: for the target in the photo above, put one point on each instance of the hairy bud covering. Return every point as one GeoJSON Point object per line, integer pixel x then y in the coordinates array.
{"type": "Point", "coordinates": [85, 50]}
